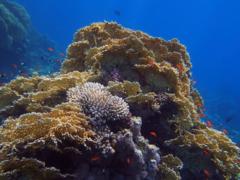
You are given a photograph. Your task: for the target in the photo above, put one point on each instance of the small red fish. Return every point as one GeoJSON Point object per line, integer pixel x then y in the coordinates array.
{"type": "Point", "coordinates": [129, 161]}
{"type": "Point", "coordinates": [206, 173]}
{"type": "Point", "coordinates": [50, 49]}
{"type": "Point", "coordinates": [225, 131]}
{"type": "Point", "coordinates": [196, 120]}
{"type": "Point", "coordinates": [209, 123]}
{"type": "Point", "coordinates": [199, 105]}
{"type": "Point", "coordinates": [14, 66]}
{"type": "Point", "coordinates": [180, 67]}
{"type": "Point", "coordinates": [202, 115]}
{"type": "Point", "coordinates": [205, 152]}
{"type": "Point", "coordinates": [153, 133]}
{"type": "Point", "coordinates": [95, 158]}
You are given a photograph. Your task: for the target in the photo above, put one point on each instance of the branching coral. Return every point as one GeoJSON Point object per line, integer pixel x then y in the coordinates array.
{"type": "Point", "coordinates": [98, 103]}
{"type": "Point", "coordinates": [123, 107]}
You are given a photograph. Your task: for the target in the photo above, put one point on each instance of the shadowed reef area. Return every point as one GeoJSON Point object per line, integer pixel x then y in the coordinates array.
{"type": "Point", "coordinates": [122, 107]}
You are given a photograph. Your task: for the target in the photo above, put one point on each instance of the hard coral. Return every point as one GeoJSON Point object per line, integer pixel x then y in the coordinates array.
{"type": "Point", "coordinates": [98, 103]}
{"type": "Point", "coordinates": [215, 146]}
{"type": "Point", "coordinates": [37, 94]}
{"type": "Point", "coordinates": [139, 91]}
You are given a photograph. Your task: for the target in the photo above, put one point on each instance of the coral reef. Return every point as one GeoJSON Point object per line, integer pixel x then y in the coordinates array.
{"type": "Point", "coordinates": [122, 107]}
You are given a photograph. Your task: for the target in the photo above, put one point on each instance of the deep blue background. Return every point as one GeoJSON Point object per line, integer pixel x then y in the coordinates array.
{"type": "Point", "coordinates": [209, 28]}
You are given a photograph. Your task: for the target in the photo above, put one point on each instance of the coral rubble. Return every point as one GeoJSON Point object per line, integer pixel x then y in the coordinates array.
{"type": "Point", "coordinates": [123, 107]}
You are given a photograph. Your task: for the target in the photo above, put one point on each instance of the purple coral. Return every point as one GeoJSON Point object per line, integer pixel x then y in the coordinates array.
{"type": "Point", "coordinates": [98, 103]}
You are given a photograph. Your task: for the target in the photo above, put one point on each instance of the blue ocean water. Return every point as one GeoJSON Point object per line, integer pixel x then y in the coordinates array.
{"type": "Point", "coordinates": [209, 29]}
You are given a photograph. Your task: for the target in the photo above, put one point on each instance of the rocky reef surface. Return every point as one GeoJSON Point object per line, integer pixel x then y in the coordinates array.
{"type": "Point", "coordinates": [122, 107]}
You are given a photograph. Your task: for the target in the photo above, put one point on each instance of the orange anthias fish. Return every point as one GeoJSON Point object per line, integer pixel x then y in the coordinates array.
{"type": "Point", "coordinates": [153, 133]}
{"type": "Point", "coordinates": [225, 131]}
{"type": "Point", "coordinates": [205, 152]}
{"type": "Point", "coordinates": [129, 161]}
{"type": "Point", "coordinates": [180, 67]}
{"type": "Point", "coordinates": [206, 173]}
{"type": "Point", "coordinates": [202, 115]}
{"type": "Point", "coordinates": [199, 105]}
{"type": "Point", "coordinates": [95, 158]}
{"type": "Point", "coordinates": [50, 49]}
{"type": "Point", "coordinates": [209, 123]}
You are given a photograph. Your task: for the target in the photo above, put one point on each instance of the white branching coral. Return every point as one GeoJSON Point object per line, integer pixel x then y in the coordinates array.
{"type": "Point", "coordinates": [98, 103]}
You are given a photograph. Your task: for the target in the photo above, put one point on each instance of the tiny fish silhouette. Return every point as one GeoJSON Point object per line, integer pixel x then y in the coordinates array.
{"type": "Point", "coordinates": [50, 49]}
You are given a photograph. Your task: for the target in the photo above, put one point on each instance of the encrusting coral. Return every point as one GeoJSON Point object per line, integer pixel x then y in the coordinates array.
{"type": "Point", "coordinates": [123, 107]}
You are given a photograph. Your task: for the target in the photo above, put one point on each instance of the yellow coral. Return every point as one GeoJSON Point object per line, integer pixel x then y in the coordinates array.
{"type": "Point", "coordinates": [38, 94]}
{"type": "Point", "coordinates": [170, 167]}
{"type": "Point", "coordinates": [157, 65]}
{"type": "Point", "coordinates": [224, 153]}
{"type": "Point", "coordinates": [127, 88]}
{"type": "Point", "coordinates": [65, 118]}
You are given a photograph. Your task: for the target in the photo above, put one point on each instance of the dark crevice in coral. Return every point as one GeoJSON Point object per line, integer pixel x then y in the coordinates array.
{"type": "Point", "coordinates": [157, 130]}
{"type": "Point", "coordinates": [155, 125]}
{"type": "Point", "coordinates": [118, 125]}
{"type": "Point", "coordinates": [15, 111]}
{"type": "Point", "coordinates": [57, 99]}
